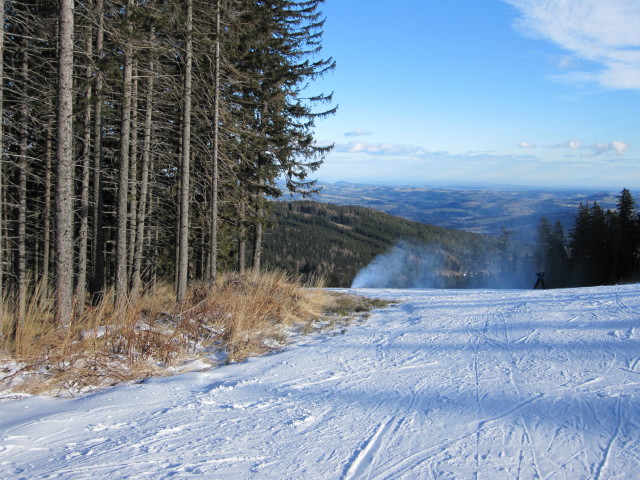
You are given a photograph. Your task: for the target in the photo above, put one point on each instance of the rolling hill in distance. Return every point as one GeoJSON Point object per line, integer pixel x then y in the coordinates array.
{"type": "Point", "coordinates": [475, 209]}
{"type": "Point", "coordinates": [455, 237]}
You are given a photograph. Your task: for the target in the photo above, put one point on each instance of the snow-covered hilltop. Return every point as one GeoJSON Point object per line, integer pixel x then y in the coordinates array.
{"type": "Point", "coordinates": [446, 384]}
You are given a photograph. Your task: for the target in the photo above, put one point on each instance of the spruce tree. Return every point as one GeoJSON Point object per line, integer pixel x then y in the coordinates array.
{"type": "Point", "coordinates": [557, 257]}
{"type": "Point", "coordinates": [543, 244]}
{"type": "Point", "coordinates": [287, 39]}
{"type": "Point", "coordinates": [599, 249]}
{"type": "Point", "coordinates": [580, 246]}
{"type": "Point", "coordinates": [626, 236]}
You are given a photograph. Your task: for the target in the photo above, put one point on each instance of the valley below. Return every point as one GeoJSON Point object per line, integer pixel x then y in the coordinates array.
{"type": "Point", "coordinates": [474, 209]}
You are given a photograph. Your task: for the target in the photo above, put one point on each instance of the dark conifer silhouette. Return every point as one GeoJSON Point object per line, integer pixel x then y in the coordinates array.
{"type": "Point", "coordinates": [604, 246]}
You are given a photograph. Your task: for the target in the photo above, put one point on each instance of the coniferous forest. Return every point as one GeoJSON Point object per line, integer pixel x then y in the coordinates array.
{"type": "Point", "coordinates": [602, 248]}
{"type": "Point", "coordinates": [336, 241]}
{"type": "Point", "coordinates": [141, 137]}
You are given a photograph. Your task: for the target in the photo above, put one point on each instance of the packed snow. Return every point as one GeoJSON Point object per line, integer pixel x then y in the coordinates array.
{"type": "Point", "coordinates": [442, 384]}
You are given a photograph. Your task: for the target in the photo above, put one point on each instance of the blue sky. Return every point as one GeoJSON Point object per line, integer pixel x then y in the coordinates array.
{"type": "Point", "coordinates": [523, 92]}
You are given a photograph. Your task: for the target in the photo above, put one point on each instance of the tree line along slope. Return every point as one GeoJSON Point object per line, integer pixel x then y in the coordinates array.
{"type": "Point", "coordinates": [335, 241]}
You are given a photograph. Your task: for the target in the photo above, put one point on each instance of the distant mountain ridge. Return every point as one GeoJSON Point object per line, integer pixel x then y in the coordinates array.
{"type": "Point", "coordinates": [473, 209]}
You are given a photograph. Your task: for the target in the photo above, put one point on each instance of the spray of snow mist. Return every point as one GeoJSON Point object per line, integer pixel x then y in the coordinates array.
{"type": "Point", "coordinates": [411, 265]}
{"type": "Point", "coordinates": [406, 265]}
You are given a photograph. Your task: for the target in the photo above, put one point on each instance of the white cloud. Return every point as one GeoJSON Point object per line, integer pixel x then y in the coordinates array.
{"type": "Point", "coordinates": [602, 31]}
{"type": "Point", "coordinates": [596, 149]}
{"type": "Point", "coordinates": [358, 132]}
{"type": "Point", "coordinates": [620, 147]}
{"type": "Point", "coordinates": [526, 145]}
{"type": "Point", "coordinates": [600, 148]}
{"type": "Point", "coordinates": [379, 148]}
{"type": "Point", "coordinates": [572, 144]}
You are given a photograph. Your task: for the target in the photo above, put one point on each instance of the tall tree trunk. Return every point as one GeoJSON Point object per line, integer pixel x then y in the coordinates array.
{"type": "Point", "coordinates": [155, 240]}
{"type": "Point", "coordinates": [144, 183]}
{"type": "Point", "coordinates": [213, 235]}
{"type": "Point", "coordinates": [257, 240]}
{"type": "Point", "coordinates": [64, 179]}
{"type": "Point", "coordinates": [21, 225]}
{"type": "Point", "coordinates": [2, 156]}
{"type": "Point", "coordinates": [183, 257]}
{"type": "Point", "coordinates": [46, 241]}
{"type": "Point", "coordinates": [133, 169]}
{"type": "Point", "coordinates": [97, 251]}
{"type": "Point", "coordinates": [200, 257]}
{"type": "Point", "coordinates": [257, 246]}
{"type": "Point", "coordinates": [123, 179]}
{"type": "Point", "coordinates": [242, 242]}
{"type": "Point", "coordinates": [83, 232]}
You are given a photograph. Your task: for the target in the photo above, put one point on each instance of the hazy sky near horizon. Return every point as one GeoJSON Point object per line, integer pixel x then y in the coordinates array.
{"type": "Point", "coordinates": [526, 92]}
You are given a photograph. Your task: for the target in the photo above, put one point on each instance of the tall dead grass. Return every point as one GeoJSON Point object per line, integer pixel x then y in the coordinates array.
{"type": "Point", "coordinates": [239, 316]}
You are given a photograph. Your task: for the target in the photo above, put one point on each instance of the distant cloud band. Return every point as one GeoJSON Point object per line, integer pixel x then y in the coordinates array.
{"type": "Point", "coordinates": [599, 148]}
{"type": "Point", "coordinates": [358, 132]}
{"type": "Point", "coordinates": [379, 148]}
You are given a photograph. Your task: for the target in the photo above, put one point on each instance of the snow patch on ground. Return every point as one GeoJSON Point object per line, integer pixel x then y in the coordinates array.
{"type": "Point", "coordinates": [446, 384]}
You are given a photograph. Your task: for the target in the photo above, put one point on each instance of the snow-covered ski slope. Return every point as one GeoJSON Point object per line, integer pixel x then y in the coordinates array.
{"type": "Point", "coordinates": [447, 384]}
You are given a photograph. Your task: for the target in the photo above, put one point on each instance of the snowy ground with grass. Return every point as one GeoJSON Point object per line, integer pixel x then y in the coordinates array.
{"type": "Point", "coordinates": [443, 384]}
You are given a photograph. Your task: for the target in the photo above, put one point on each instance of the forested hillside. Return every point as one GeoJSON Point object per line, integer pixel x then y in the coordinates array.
{"type": "Point", "coordinates": [333, 241]}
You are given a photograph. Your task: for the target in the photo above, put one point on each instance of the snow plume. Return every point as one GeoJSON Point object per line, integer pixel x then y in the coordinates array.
{"type": "Point", "coordinates": [406, 265]}
{"type": "Point", "coordinates": [412, 265]}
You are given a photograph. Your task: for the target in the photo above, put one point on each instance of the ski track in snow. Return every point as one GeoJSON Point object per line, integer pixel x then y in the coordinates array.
{"type": "Point", "coordinates": [464, 384]}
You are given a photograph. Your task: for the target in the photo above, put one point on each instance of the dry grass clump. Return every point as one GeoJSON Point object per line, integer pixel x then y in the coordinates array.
{"type": "Point", "coordinates": [101, 347]}
{"type": "Point", "coordinates": [255, 311]}
{"type": "Point", "coordinates": [342, 309]}
{"type": "Point", "coordinates": [232, 318]}
{"type": "Point", "coordinates": [344, 305]}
